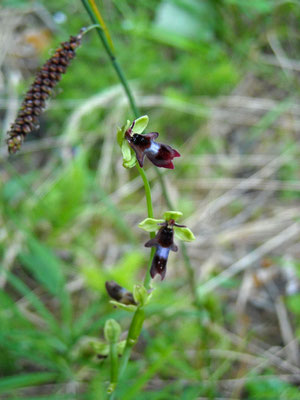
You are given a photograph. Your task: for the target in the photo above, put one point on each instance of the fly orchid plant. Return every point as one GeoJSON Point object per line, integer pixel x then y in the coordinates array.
{"type": "Point", "coordinates": [135, 145]}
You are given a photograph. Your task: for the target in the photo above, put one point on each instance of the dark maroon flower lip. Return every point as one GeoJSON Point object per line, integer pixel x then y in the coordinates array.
{"type": "Point", "coordinates": [163, 242]}
{"type": "Point", "coordinates": [159, 154]}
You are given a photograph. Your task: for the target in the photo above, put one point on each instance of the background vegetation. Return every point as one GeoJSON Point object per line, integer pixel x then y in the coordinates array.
{"type": "Point", "coordinates": [220, 82]}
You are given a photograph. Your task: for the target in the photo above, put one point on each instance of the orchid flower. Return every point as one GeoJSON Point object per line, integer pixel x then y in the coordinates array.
{"type": "Point", "coordinates": [164, 239]}
{"type": "Point", "coordinates": [143, 145]}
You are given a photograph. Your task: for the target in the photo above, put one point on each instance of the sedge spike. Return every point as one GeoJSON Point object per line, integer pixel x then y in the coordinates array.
{"type": "Point", "coordinates": [35, 99]}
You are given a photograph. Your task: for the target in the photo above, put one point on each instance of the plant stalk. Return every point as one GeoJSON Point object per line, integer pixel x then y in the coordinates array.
{"type": "Point", "coordinates": [90, 7]}
{"type": "Point", "coordinates": [139, 315]}
{"type": "Point", "coordinates": [114, 366]}
{"type": "Point", "coordinates": [132, 337]}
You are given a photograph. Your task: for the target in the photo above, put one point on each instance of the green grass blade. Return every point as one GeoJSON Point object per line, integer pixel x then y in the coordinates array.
{"type": "Point", "coordinates": [19, 381]}
{"type": "Point", "coordinates": [33, 299]}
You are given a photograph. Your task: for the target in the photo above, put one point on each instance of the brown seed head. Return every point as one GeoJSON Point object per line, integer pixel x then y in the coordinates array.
{"type": "Point", "coordinates": [34, 101]}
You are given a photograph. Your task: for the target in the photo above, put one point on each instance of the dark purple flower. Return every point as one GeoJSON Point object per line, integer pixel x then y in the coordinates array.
{"type": "Point", "coordinates": [163, 242]}
{"type": "Point", "coordinates": [119, 293]}
{"type": "Point", "coordinates": [159, 154]}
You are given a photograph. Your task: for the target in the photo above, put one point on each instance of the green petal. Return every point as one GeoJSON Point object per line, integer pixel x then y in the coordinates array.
{"type": "Point", "coordinates": [184, 234]}
{"type": "Point", "coordinates": [172, 215]}
{"type": "Point", "coordinates": [125, 307]}
{"type": "Point", "coordinates": [141, 124]}
{"type": "Point", "coordinates": [126, 151]}
{"type": "Point", "coordinates": [150, 224]}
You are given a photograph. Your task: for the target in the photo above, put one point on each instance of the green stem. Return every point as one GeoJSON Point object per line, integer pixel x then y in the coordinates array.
{"type": "Point", "coordinates": [114, 361]}
{"type": "Point", "coordinates": [150, 215]}
{"type": "Point", "coordinates": [186, 259]}
{"type": "Point", "coordinates": [132, 337]}
{"type": "Point", "coordinates": [147, 191]}
{"type": "Point", "coordinates": [112, 57]}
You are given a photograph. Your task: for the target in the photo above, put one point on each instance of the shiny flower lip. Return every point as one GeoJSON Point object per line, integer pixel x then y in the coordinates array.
{"type": "Point", "coordinates": [159, 154]}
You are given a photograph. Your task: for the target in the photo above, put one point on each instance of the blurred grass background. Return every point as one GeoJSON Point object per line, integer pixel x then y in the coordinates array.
{"type": "Point", "coordinates": [219, 80]}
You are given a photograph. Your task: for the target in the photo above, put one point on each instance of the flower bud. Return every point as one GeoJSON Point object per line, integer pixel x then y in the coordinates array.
{"type": "Point", "coordinates": [112, 331]}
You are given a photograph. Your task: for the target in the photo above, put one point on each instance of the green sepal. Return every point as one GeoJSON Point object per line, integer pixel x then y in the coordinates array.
{"type": "Point", "coordinates": [125, 307]}
{"type": "Point", "coordinates": [150, 224]}
{"type": "Point", "coordinates": [131, 163]}
{"type": "Point", "coordinates": [121, 132]}
{"type": "Point", "coordinates": [172, 215]}
{"type": "Point", "coordinates": [129, 157]}
{"type": "Point", "coordinates": [126, 151]}
{"type": "Point", "coordinates": [140, 295]}
{"type": "Point", "coordinates": [184, 234]}
{"type": "Point", "coordinates": [141, 124]}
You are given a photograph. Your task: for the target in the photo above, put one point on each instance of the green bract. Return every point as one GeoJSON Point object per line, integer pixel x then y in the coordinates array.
{"type": "Point", "coordinates": [125, 307]}
{"type": "Point", "coordinates": [184, 234]}
{"type": "Point", "coordinates": [150, 224]}
{"type": "Point", "coordinates": [172, 215]}
{"type": "Point", "coordinates": [129, 157]}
